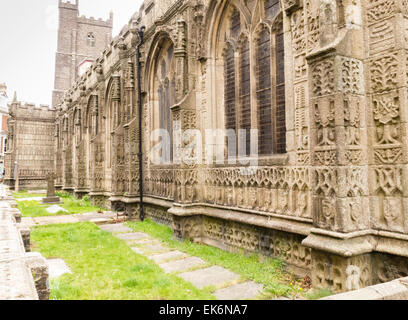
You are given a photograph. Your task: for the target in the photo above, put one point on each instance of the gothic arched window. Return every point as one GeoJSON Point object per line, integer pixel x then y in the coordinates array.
{"type": "Point", "coordinates": [280, 89]}
{"type": "Point", "coordinates": [164, 90]}
{"type": "Point", "coordinates": [77, 126]}
{"type": "Point", "coordinates": [229, 83]}
{"type": "Point", "coordinates": [258, 102]}
{"type": "Point", "coordinates": [245, 93]}
{"type": "Point", "coordinates": [264, 92]}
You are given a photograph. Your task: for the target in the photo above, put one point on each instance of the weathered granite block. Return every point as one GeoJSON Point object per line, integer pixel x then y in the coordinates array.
{"type": "Point", "coordinates": [16, 214]}
{"type": "Point", "coordinates": [39, 269]}
{"type": "Point", "coordinates": [25, 235]}
{"type": "Point", "coordinates": [16, 281]}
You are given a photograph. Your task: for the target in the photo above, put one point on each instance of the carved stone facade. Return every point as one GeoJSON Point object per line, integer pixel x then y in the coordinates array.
{"type": "Point", "coordinates": [30, 145]}
{"type": "Point", "coordinates": [325, 81]}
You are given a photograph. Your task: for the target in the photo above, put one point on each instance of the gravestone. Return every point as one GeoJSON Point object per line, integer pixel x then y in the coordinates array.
{"type": "Point", "coordinates": [51, 197]}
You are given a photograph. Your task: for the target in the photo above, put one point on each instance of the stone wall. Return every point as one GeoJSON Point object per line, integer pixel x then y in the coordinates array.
{"type": "Point", "coordinates": [31, 143]}
{"type": "Point", "coordinates": [334, 204]}
{"type": "Point", "coordinates": [23, 275]}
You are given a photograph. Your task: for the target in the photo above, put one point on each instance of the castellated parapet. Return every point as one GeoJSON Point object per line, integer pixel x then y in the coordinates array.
{"type": "Point", "coordinates": [28, 110]}
{"type": "Point", "coordinates": [96, 22]}
{"type": "Point", "coordinates": [83, 19]}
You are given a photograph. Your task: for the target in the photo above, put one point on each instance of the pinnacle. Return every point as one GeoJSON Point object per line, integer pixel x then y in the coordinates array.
{"type": "Point", "coordinates": [15, 97]}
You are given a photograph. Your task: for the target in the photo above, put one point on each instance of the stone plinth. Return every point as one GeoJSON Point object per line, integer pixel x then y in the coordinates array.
{"type": "Point", "coordinates": [52, 200]}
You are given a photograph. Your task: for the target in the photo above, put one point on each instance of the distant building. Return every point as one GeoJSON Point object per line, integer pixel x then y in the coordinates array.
{"type": "Point", "coordinates": [30, 144]}
{"type": "Point", "coordinates": [3, 125]}
{"type": "Point", "coordinates": [80, 41]}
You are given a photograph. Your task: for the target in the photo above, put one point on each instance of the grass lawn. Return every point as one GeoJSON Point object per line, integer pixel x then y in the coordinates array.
{"type": "Point", "coordinates": [105, 268]}
{"type": "Point", "coordinates": [25, 194]}
{"type": "Point", "coordinates": [71, 204]}
{"type": "Point", "coordinates": [267, 271]}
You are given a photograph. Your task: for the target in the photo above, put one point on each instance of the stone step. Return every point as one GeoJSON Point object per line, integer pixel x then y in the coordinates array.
{"type": "Point", "coordinates": [155, 248]}
{"type": "Point", "coordinates": [100, 221]}
{"type": "Point", "coordinates": [213, 276]}
{"type": "Point", "coordinates": [242, 291]}
{"type": "Point", "coordinates": [138, 251]}
{"type": "Point", "coordinates": [91, 217]}
{"type": "Point", "coordinates": [56, 220]}
{"type": "Point", "coordinates": [182, 265]}
{"type": "Point", "coordinates": [168, 256]}
{"type": "Point", "coordinates": [145, 241]}
{"type": "Point", "coordinates": [131, 236]}
{"type": "Point", "coordinates": [116, 228]}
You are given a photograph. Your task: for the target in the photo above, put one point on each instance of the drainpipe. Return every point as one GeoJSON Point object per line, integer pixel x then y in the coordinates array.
{"type": "Point", "coordinates": [139, 92]}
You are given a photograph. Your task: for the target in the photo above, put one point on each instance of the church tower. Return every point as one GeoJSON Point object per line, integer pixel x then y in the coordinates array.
{"type": "Point", "coordinates": [80, 41]}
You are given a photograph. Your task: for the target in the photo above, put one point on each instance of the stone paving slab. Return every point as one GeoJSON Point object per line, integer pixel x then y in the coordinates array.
{"type": "Point", "coordinates": [55, 220]}
{"type": "Point", "coordinates": [28, 221]}
{"type": "Point", "coordinates": [16, 281]}
{"type": "Point", "coordinates": [209, 277]}
{"type": "Point", "coordinates": [11, 249]}
{"type": "Point", "coordinates": [116, 228]}
{"type": "Point", "coordinates": [138, 251]}
{"type": "Point", "coordinates": [92, 216]}
{"type": "Point", "coordinates": [182, 265]}
{"type": "Point", "coordinates": [156, 248]}
{"type": "Point", "coordinates": [145, 241]}
{"type": "Point", "coordinates": [131, 236]}
{"type": "Point", "coordinates": [100, 221]}
{"type": "Point", "coordinates": [242, 291]}
{"type": "Point", "coordinates": [57, 268]}
{"type": "Point", "coordinates": [168, 256]}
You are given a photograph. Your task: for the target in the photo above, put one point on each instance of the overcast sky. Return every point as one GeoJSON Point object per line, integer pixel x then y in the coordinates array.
{"type": "Point", "coordinates": [28, 41]}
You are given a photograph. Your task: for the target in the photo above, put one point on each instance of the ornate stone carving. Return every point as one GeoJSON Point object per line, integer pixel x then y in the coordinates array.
{"type": "Point", "coordinates": [384, 73]}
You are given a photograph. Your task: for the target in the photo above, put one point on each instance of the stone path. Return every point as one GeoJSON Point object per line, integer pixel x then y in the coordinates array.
{"type": "Point", "coordinates": [97, 218]}
{"type": "Point", "coordinates": [227, 285]}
